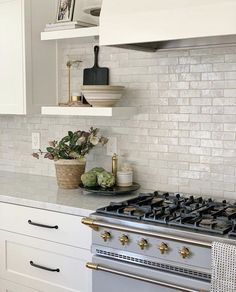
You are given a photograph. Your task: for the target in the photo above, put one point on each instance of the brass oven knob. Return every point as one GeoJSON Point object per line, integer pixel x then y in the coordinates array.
{"type": "Point", "coordinates": [143, 243]}
{"type": "Point", "coordinates": [163, 247]}
{"type": "Point", "coordinates": [124, 239]}
{"type": "Point", "coordinates": [106, 236]}
{"type": "Point", "coordinates": [184, 252]}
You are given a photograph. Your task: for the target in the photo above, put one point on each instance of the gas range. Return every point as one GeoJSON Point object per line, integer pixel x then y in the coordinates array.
{"type": "Point", "coordinates": [163, 239]}
{"type": "Point", "coordinates": [173, 209]}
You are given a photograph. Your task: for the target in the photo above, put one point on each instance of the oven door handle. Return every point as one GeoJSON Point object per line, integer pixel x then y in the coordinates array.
{"type": "Point", "coordinates": [97, 267]}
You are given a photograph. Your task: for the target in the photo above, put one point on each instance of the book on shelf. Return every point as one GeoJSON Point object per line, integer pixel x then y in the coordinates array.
{"type": "Point", "coordinates": [66, 25]}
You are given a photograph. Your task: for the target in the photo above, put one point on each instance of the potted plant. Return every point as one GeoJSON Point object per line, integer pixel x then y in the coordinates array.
{"type": "Point", "coordinates": [69, 155]}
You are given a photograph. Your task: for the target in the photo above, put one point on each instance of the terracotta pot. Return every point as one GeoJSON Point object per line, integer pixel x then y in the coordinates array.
{"type": "Point", "coordinates": [69, 172]}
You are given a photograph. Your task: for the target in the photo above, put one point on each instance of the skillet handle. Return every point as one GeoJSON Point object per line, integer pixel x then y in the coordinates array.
{"type": "Point", "coordinates": [96, 51]}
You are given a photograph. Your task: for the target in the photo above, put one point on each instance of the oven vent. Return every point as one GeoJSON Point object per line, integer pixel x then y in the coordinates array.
{"type": "Point", "coordinates": [159, 266]}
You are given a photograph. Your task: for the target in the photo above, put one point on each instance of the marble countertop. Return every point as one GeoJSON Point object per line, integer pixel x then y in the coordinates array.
{"type": "Point", "coordinates": [42, 192]}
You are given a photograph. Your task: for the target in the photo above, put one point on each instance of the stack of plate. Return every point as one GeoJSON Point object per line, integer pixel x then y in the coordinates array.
{"type": "Point", "coordinates": [93, 7]}
{"type": "Point", "coordinates": [102, 95]}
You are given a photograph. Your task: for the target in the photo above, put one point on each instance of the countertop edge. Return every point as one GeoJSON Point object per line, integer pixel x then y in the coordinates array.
{"type": "Point", "coordinates": [46, 206]}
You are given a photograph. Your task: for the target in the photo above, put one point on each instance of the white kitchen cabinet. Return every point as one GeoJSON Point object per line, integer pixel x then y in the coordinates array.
{"type": "Point", "coordinates": [6, 286]}
{"type": "Point", "coordinates": [27, 65]}
{"type": "Point", "coordinates": [35, 223]}
{"type": "Point", "coordinates": [45, 259]}
{"type": "Point", "coordinates": [21, 257]}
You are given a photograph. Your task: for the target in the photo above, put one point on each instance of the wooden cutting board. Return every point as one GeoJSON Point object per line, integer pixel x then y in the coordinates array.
{"type": "Point", "coordinates": [96, 75]}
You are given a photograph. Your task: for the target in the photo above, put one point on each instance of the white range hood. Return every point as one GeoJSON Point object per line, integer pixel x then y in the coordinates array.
{"type": "Point", "coordinates": [155, 24]}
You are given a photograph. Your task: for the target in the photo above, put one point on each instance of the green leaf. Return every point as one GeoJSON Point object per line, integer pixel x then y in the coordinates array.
{"type": "Point", "coordinates": [70, 134]}
{"type": "Point", "coordinates": [65, 139]}
{"type": "Point", "coordinates": [63, 154]}
{"type": "Point", "coordinates": [50, 149]}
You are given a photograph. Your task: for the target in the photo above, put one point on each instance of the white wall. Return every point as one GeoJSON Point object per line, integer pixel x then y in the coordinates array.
{"type": "Point", "coordinates": [183, 138]}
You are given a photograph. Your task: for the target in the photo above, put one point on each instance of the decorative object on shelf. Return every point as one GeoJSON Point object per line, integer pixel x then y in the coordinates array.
{"type": "Point", "coordinates": [81, 15]}
{"type": "Point", "coordinates": [93, 8]}
{"type": "Point", "coordinates": [96, 75]}
{"type": "Point", "coordinates": [76, 101]}
{"type": "Point", "coordinates": [65, 10]}
{"type": "Point", "coordinates": [94, 11]}
{"type": "Point", "coordinates": [102, 95]}
{"type": "Point", "coordinates": [73, 99]}
{"type": "Point", "coordinates": [69, 64]}
{"type": "Point", "coordinates": [111, 191]}
{"type": "Point", "coordinates": [69, 155]}
{"type": "Point", "coordinates": [65, 25]}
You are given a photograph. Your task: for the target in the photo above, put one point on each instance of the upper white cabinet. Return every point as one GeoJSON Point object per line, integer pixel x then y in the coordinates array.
{"type": "Point", "coordinates": [27, 76]}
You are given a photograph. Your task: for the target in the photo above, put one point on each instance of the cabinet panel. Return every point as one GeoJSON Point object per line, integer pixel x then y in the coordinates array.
{"type": "Point", "coordinates": [12, 90]}
{"type": "Point", "coordinates": [28, 66]}
{"type": "Point", "coordinates": [6, 286]}
{"type": "Point", "coordinates": [70, 230]}
{"type": "Point", "coordinates": [41, 73]}
{"type": "Point", "coordinates": [19, 255]}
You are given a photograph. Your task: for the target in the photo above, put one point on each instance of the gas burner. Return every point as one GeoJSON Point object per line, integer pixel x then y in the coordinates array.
{"type": "Point", "coordinates": [207, 223]}
{"type": "Point", "coordinates": [134, 211]}
{"type": "Point", "coordinates": [209, 218]}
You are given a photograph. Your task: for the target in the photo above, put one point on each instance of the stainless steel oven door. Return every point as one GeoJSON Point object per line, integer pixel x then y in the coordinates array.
{"type": "Point", "coordinates": [115, 276]}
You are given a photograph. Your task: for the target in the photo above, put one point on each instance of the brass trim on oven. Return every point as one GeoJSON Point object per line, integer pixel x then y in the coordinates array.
{"type": "Point", "coordinates": [92, 266]}
{"type": "Point", "coordinates": [97, 224]}
{"type": "Point", "coordinates": [89, 222]}
{"type": "Point", "coordinates": [97, 267]}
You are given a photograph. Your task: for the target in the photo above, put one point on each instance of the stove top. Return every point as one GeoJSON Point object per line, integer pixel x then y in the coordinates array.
{"type": "Point", "coordinates": [174, 209]}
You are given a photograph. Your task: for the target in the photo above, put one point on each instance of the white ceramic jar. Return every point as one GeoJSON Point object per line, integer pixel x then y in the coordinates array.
{"type": "Point", "coordinates": [124, 178]}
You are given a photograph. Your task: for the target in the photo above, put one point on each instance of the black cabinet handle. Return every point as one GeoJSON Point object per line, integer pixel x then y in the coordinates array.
{"type": "Point", "coordinates": [43, 268]}
{"type": "Point", "coordinates": [42, 225]}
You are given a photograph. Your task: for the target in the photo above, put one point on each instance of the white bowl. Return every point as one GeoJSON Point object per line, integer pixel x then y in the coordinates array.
{"type": "Point", "coordinates": [102, 95]}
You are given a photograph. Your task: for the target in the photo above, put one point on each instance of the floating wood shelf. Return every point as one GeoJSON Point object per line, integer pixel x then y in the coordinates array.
{"type": "Point", "coordinates": [88, 111]}
{"type": "Point", "coordinates": [70, 33]}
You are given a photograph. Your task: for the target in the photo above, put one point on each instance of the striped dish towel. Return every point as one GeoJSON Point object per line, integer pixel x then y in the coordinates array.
{"type": "Point", "coordinates": [223, 267]}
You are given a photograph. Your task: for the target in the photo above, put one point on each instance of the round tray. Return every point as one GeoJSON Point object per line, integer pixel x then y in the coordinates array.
{"type": "Point", "coordinates": [112, 191]}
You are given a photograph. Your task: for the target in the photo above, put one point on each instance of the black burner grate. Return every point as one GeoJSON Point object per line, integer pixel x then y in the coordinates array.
{"type": "Point", "coordinates": [191, 212]}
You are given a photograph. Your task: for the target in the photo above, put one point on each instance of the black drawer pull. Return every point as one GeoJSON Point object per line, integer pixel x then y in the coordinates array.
{"type": "Point", "coordinates": [43, 268]}
{"type": "Point", "coordinates": [42, 225]}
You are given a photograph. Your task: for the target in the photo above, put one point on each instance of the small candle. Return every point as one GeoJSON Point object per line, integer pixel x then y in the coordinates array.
{"type": "Point", "coordinates": [124, 178]}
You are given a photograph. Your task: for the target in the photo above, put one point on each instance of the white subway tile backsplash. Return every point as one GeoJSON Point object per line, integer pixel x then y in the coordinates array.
{"type": "Point", "coordinates": [224, 67]}
{"type": "Point", "coordinates": [212, 93]}
{"type": "Point", "coordinates": [213, 76]}
{"type": "Point", "coordinates": [189, 60]}
{"type": "Point", "coordinates": [190, 76]}
{"type": "Point", "coordinates": [184, 135]}
{"type": "Point", "coordinates": [200, 84]}
{"type": "Point", "coordinates": [179, 69]}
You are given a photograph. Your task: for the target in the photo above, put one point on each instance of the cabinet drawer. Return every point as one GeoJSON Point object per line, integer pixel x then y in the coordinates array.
{"type": "Point", "coordinates": [48, 225]}
{"type": "Point", "coordinates": [6, 286]}
{"type": "Point", "coordinates": [44, 266]}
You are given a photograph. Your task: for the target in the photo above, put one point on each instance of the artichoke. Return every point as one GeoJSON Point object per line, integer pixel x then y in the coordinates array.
{"type": "Point", "coordinates": [106, 179]}
{"type": "Point", "coordinates": [97, 170]}
{"type": "Point", "coordinates": [89, 179]}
